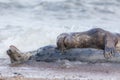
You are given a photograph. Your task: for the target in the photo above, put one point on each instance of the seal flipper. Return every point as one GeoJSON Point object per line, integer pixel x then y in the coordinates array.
{"type": "Point", "coordinates": [109, 48]}
{"type": "Point", "coordinates": [61, 42]}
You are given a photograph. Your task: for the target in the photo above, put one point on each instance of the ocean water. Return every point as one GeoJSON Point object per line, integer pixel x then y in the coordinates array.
{"type": "Point", "coordinates": [30, 24]}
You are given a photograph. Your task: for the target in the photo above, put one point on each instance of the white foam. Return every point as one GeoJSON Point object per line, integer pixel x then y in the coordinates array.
{"type": "Point", "coordinates": [37, 25]}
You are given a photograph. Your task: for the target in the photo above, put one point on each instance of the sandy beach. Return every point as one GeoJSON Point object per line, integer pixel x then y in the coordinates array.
{"type": "Point", "coordinates": [59, 70]}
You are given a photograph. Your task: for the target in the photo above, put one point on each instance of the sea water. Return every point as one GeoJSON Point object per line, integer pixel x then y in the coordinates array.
{"type": "Point", "coordinates": [30, 24]}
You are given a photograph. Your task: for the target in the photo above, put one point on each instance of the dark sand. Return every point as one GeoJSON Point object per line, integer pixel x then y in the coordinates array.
{"type": "Point", "coordinates": [60, 70]}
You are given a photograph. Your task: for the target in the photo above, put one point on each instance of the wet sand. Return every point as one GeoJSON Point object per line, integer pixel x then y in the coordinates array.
{"type": "Point", "coordinates": [59, 70]}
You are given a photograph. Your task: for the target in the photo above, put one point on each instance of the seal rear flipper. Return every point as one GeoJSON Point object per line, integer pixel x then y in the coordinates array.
{"type": "Point", "coordinates": [61, 42]}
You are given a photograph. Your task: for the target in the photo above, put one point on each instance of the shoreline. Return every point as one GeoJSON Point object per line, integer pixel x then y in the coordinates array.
{"type": "Point", "coordinates": [33, 70]}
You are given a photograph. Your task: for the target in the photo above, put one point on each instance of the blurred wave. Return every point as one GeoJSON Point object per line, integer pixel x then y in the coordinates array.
{"type": "Point", "coordinates": [63, 9]}
{"type": "Point", "coordinates": [30, 24]}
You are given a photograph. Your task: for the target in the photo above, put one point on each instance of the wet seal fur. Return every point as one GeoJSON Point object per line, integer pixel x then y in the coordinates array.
{"type": "Point", "coordinates": [94, 38]}
{"type": "Point", "coordinates": [50, 54]}
{"type": "Point", "coordinates": [75, 46]}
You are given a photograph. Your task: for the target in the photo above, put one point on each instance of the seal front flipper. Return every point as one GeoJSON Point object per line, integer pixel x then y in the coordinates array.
{"type": "Point", "coordinates": [109, 52]}
{"type": "Point", "coordinates": [109, 49]}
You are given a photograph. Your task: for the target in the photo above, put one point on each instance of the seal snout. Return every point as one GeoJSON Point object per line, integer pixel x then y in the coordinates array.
{"type": "Point", "coordinates": [9, 52]}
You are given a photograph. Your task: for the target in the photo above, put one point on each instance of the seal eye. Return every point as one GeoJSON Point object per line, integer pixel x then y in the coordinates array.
{"type": "Point", "coordinates": [19, 56]}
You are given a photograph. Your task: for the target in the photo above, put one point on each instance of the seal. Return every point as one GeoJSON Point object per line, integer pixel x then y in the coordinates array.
{"type": "Point", "coordinates": [82, 46]}
{"type": "Point", "coordinates": [94, 38]}
{"type": "Point", "coordinates": [49, 53]}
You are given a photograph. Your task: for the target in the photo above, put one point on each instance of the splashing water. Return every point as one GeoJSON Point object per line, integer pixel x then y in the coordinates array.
{"type": "Point", "coordinates": [30, 24]}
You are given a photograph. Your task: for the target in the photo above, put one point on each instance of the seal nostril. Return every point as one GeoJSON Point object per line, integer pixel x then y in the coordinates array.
{"type": "Point", "coordinates": [8, 52]}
